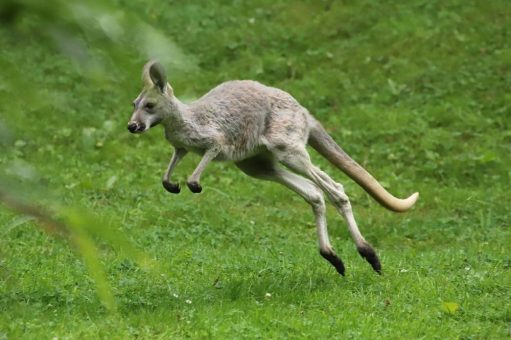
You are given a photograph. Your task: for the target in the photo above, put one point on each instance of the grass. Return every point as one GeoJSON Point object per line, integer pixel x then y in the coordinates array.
{"type": "Point", "coordinates": [418, 92]}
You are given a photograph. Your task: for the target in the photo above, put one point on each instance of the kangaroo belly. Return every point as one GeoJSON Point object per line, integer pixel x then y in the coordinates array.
{"type": "Point", "coordinates": [231, 153]}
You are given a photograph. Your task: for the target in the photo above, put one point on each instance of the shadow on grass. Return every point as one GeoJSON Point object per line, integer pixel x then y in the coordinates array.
{"type": "Point", "coordinates": [142, 294]}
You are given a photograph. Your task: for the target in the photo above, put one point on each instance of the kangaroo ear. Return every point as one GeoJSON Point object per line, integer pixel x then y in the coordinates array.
{"type": "Point", "coordinates": [154, 75]}
{"type": "Point", "coordinates": [170, 90]}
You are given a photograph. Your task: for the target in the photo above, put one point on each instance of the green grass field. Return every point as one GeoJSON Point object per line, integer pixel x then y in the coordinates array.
{"type": "Point", "coordinates": [417, 91]}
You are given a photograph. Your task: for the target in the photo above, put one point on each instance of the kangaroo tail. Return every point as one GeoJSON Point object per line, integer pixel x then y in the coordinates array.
{"type": "Point", "coordinates": [321, 141]}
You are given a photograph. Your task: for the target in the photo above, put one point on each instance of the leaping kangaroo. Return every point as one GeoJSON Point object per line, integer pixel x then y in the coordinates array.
{"type": "Point", "coordinates": [264, 131]}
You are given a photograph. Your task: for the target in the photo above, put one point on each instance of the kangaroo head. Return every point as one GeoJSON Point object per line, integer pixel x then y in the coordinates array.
{"type": "Point", "coordinates": [155, 103]}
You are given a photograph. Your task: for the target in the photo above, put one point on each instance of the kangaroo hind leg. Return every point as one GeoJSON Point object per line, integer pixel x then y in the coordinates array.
{"type": "Point", "coordinates": [265, 168]}
{"type": "Point", "coordinates": [297, 159]}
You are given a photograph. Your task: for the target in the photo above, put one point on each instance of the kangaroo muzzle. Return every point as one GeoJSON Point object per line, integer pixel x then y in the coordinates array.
{"type": "Point", "coordinates": [135, 127]}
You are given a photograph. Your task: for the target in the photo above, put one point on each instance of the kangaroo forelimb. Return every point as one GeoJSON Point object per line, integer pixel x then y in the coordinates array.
{"type": "Point", "coordinates": [171, 187]}
{"type": "Point", "coordinates": [193, 181]}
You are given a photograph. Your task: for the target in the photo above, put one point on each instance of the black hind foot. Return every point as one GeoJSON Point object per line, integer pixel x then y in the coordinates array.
{"type": "Point", "coordinates": [331, 257]}
{"type": "Point", "coordinates": [368, 253]}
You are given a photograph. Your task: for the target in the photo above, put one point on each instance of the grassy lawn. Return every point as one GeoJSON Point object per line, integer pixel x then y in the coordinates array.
{"type": "Point", "coordinates": [417, 91]}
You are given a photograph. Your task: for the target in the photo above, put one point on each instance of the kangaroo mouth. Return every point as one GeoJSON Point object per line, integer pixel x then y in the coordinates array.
{"type": "Point", "coordinates": [156, 122]}
{"type": "Point", "coordinates": [139, 127]}
{"type": "Point", "coordinates": [135, 127]}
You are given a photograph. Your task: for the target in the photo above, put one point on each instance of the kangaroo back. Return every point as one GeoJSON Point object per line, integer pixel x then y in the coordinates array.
{"type": "Point", "coordinates": [321, 141]}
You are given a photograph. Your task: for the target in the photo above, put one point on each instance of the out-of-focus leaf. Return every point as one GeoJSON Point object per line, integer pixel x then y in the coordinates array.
{"type": "Point", "coordinates": [107, 231]}
{"type": "Point", "coordinates": [17, 222]}
{"type": "Point", "coordinates": [80, 229]}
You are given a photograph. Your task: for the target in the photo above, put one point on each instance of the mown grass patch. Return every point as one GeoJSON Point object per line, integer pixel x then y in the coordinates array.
{"type": "Point", "coordinates": [417, 92]}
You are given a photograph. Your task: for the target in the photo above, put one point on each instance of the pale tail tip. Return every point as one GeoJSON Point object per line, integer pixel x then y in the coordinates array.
{"type": "Point", "coordinates": [412, 199]}
{"type": "Point", "coordinates": [406, 203]}
{"type": "Point", "coordinates": [415, 196]}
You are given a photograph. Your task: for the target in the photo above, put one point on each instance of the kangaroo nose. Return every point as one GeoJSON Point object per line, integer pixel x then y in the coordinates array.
{"type": "Point", "coordinates": [141, 127]}
{"type": "Point", "coordinates": [132, 127]}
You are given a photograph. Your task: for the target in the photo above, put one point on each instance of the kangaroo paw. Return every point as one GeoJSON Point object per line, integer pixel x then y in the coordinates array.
{"type": "Point", "coordinates": [334, 260]}
{"type": "Point", "coordinates": [368, 253]}
{"type": "Point", "coordinates": [171, 187]}
{"type": "Point", "coordinates": [194, 187]}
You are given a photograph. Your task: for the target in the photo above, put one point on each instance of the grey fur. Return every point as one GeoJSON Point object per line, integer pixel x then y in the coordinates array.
{"type": "Point", "coordinates": [259, 128]}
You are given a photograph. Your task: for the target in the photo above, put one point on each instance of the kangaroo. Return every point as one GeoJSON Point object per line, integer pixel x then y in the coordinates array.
{"type": "Point", "coordinates": [264, 131]}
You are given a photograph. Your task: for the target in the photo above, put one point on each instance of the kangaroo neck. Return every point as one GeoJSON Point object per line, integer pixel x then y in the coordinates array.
{"type": "Point", "coordinates": [177, 119]}
{"type": "Point", "coordinates": [179, 125]}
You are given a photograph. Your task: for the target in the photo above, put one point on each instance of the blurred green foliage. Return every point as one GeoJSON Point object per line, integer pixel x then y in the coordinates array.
{"type": "Point", "coordinates": [416, 91]}
{"type": "Point", "coordinates": [92, 37]}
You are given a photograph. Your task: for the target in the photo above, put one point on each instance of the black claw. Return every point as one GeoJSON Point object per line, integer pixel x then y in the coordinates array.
{"type": "Point", "coordinates": [368, 253]}
{"type": "Point", "coordinates": [171, 187]}
{"type": "Point", "coordinates": [194, 187]}
{"type": "Point", "coordinates": [331, 257]}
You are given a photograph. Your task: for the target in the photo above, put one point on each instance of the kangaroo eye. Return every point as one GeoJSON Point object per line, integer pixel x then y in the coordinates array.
{"type": "Point", "coordinates": [149, 106]}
